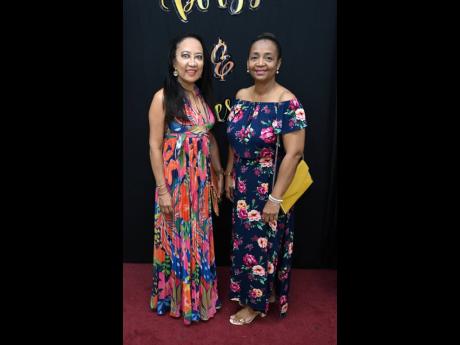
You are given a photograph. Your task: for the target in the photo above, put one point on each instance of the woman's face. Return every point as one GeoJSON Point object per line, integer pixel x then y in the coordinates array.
{"type": "Point", "coordinates": [189, 60]}
{"type": "Point", "coordinates": [263, 60]}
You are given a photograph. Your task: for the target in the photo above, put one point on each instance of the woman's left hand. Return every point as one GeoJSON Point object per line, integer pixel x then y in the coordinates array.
{"type": "Point", "coordinates": [270, 211]}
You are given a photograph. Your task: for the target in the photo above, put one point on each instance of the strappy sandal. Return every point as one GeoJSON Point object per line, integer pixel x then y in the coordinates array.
{"type": "Point", "coordinates": [243, 321]}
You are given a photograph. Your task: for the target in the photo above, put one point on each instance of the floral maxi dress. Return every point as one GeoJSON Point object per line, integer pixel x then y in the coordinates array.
{"type": "Point", "coordinates": [261, 254]}
{"type": "Point", "coordinates": [184, 268]}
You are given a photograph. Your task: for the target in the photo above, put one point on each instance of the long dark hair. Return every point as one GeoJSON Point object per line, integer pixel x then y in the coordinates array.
{"type": "Point", "coordinates": [174, 93]}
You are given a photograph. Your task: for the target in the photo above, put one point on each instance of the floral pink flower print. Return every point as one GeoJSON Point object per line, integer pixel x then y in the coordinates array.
{"type": "Point", "coordinates": [268, 135]}
{"type": "Point", "coordinates": [258, 270]}
{"type": "Point", "coordinates": [283, 299]}
{"type": "Point", "coordinates": [241, 204]}
{"type": "Point", "coordinates": [266, 159]}
{"type": "Point", "coordinates": [253, 257]}
{"type": "Point", "coordinates": [262, 241]}
{"type": "Point", "coordinates": [282, 275]}
{"type": "Point", "coordinates": [241, 186]}
{"type": "Point", "coordinates": [277, 124]}
{"type": "Point", "coordinates": [244, 134]}
{"type": "Point", "coordinates": [235, 287]}
{"type": "Point", "coordinates": [266, 152]}
{"type": "Point", "coordinates": [255, 293]}
{"type": "Point", "coordinates": [270, 268]}
{"type": "Point", "coordinates": [300, 114]}
{"type": "Point", "coordinates": [237, 114]}
{"type": "Point", "coordinates": [256, 111]}
{"type": "Point", "coordinates": [242, 213]}
{"type": "Point", "coordinates": [290, 248]}
{"type": "Point", "coordinates": [249, 260]}
{"type": "Point", "coordinates": [273, 225]}
{"type": "Point", "coordinates": [294, 104]}
{"type": "Point", "coordinates": [262, 189]}
{"type": "Point", "coordinates": [265, 162]}
{"type": "Point", "coordinates": [254, 216]}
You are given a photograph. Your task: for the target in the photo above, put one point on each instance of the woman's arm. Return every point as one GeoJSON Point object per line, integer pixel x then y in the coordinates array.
{"type": "Point", "coordinates": [293, 144]}
{"type": "Point", "coordinates": [156, 126]}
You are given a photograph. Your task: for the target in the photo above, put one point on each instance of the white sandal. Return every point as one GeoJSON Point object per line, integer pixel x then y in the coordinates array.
{"type": "Point", "coordinates": [242, 321]}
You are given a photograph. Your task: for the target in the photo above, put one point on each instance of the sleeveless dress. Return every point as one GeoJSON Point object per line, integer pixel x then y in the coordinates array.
{"type": "Point", "coordinates": [184, 267]}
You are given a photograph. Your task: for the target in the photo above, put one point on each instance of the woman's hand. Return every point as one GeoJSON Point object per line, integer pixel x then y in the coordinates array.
{"type": "Point", "coordinates": [164, 200]}
{"type": "Point", "coordinates": [220, 186]}
{"type": "Point", "coordinates": [270, 211]}
{"type": "Point", "coordinates": [229, 187]}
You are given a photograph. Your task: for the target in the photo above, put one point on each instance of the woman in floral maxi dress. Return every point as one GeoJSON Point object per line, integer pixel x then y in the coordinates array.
{"type": "Point", "coordinates": [184, 155]}
{"type": "Point", "coordinates": [262, 236]}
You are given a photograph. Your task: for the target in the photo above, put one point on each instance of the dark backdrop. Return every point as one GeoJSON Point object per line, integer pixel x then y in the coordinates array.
{"type": "Point", "coordinates": [307, 32]}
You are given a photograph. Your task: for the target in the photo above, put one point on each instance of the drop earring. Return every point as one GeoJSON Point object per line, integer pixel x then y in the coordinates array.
{"type": "Point", "coordinates": [175, 73]}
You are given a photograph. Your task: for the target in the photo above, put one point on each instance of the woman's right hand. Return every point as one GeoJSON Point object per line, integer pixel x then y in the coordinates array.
{"type": "Point", "coordinates": [229, 187]}
{"type": "Point", "coordinates": [165, 203]}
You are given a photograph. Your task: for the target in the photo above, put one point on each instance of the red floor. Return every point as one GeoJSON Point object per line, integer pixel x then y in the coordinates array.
{"type": "Point", "coordinates": [312, 316]}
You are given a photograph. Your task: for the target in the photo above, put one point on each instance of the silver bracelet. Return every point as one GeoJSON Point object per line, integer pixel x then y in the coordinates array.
{"type": "Point", "coordinates": [275, 200]}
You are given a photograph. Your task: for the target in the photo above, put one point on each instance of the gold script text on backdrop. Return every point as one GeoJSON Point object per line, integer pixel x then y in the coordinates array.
{"type": "Point", "coordinates": [184, 7]}
{"type": "Point", "coordinates": [221, 60]}
{"type": "Point", "coordinates": [222, 116]}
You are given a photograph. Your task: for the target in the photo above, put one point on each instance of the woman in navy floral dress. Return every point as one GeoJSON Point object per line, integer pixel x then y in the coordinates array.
{"type": "Point", "coordinates": [262, 235]}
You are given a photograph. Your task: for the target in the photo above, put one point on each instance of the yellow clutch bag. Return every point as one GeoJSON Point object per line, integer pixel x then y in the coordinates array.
{"type": "Point", "coordinates": [300, 183]}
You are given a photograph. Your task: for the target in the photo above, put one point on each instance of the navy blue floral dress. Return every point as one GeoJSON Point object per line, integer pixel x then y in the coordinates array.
{"type": "Point", "coordinates": [262, 253]}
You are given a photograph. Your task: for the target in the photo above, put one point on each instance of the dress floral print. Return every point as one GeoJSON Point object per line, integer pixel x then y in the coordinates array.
{"type": "Point", "coordinates": [262, 253]}
{"type": "Point", "coordinates": [184, 268]}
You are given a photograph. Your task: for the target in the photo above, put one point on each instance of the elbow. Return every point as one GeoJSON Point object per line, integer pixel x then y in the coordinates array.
{"type": "Point", "coordinates": [153, 148]}
{"type": "Point", "coordinates": [298, 156]}
{"type": "Point", "coordinates": [295, 156]}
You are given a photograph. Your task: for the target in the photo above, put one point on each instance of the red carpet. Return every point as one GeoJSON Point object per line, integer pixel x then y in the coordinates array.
{"type": "Point", "coordinates": [311, 319]}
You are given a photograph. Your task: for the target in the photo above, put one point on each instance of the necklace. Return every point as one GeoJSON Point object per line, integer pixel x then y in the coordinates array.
{"type": "Point", "coordinates": [195, 109]}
